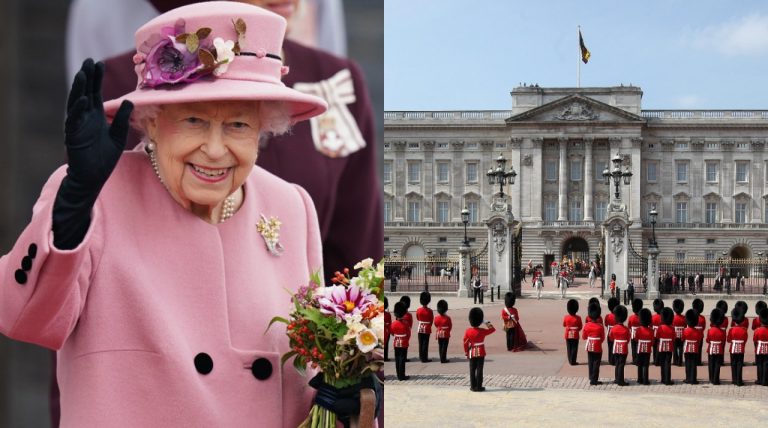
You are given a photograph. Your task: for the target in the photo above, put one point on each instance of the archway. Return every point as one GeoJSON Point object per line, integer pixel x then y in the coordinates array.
{"type": "Point", "coordinates": [414, 251]}
{"type": "Point", "coordinates": [576, 249]}
{"type": "Point", "coordinates": [738, 254]}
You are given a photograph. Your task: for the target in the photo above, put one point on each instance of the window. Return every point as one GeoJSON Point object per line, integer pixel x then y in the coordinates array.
{"type": "Point", "coordinates": [710, 213]}
{"type": "Point", "coordinates": [681, 240]}
{"type": "Point", "coordinates": [742, 145]}
{"type": "Point", "coordinates": [550, 210]}
{"type": "Point", "coordinates": [387, 172]}
{"type": "Point", "coordinates": [681, 146]}
{"type": "Point", "coordinates": [682, 171]}
{"type": "Point", "coordinates": [574, 212]}
{"type": "Point", "coordinates": [681, 212]}
{"type": "Point", "coordinates": [472, 172]}
{"type": "Point", "coordinates": [711, 172]}
{"type": "Point", "coordinates": [442, 172]}
{"type": "Point", "coordinates": [471, 145]}
{"type": "Point", "coordinates": [710, 241]}
{"type": "Point", "coordinates": [599, 167]}
{"type": "Point", "coordinates": [501, 145]}
{"type": "Point", "coordinates": [652, 171]}
{"type": "Point", "coordinates": [443, 212]}
{"type": "Point", "coordinates": [709, 255]}
{"type": "Point", "coordinates": [387, 211]}
{"type": "Point", "coordinates": [713, 146]}
{"type": "Point", "coordinates": [414, 172]}
{"type": "Point", "coordinates": [601, 208]}
{"type": "Point", "coordinates": [742, 172]}
{"type": "Point", "coordinates": [550, 170]}
{"type": "Point", "coordinates": [680, 256]}
{"type": "Point", "coordinates": [442, 145]}
{"type": "Point", "coordinates": [741, 212]}
{"type": "Point", "coordinates": [442, 253]}
{"type": "Point", "coordinates": [765, 215]}
{"type": "Point", "coordinates": [472, 208]}
{"type": "Point", "coordinates": [414, 211]}
{"type": "Point", "coordinates": [575, 170]}
{"type": "Point", "coordinates": [442, 239]}
{"type": "Point", "coordinates": [413, 145]}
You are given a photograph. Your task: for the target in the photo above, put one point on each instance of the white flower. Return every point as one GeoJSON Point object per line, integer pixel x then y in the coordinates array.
{"type": "Point", "coordinates": [366, 340]}
{"type": "Point", "coordinates": [365, 264]}
{"type": "Point", "coordinates": [224, 55]}
{"type": "Point", "coordinates": [380, 270]}
{"type": "Point", "coordinates": [377, 325]}
{"type": "Point", "coordinates": [354, 327]}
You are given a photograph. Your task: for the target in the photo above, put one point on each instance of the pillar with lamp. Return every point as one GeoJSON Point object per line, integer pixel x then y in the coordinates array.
{"type": "Point", "coordinates": [652, 292]}
{"type": "Point", "coordinates": [504, 263]}
{"type": "Point", "coordinates": [465, 268]}
{"type": "Point", "coordinates": [616, 225]}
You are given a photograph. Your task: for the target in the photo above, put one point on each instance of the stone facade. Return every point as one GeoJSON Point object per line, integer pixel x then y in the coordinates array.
{"type": "Point", "coordinates": [703, 170]}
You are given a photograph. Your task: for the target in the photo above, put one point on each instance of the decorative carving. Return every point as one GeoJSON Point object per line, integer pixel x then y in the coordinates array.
{"type": "Point", "coordinates": [617, 239]}
{"type": "Point", "coordinates": [614, 141]}
{"type": "Point", "coordinates": [726, 144]}
{"type": "Point", "coordinates": [528, 160]}
{"type": "Point", "coordinates": [428, 144]}
{"type": "Point", "coordinates": [537, 140]}
{"type": "Point", "coordinates": [697, 143]}
{"type": "Point", "coordinates": [515, 141]}
{"type": "Point", "coordinates": [458, 145]}
{"type": "Point", "coordinates": [399, 145]}
{"type": "Point", "coordinates": [499, 239]}
{"type": "Point", "coordinates": [487, 144]}
{"type": "Point", "coordinates": [757, 144]}
{"type": "Point", "coordinates": [637, 140]}
{"type": "Point", "coordinates": [577, 110]}
{"type": "Point", "coordinates": [500, 205]}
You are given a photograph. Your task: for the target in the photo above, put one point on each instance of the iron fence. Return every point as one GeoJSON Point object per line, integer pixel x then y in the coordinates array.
{"type": "Point", "coordinates": [723, 275]}
{"type": "Point", "coordinates": [429, 273]}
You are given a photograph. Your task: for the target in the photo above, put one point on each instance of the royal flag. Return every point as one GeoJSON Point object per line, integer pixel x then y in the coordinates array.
{"type": "Point", "coordinates": [584, 51]}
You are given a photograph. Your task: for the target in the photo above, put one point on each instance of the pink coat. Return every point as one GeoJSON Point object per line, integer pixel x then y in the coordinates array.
{"type": "Point", "coordinates": [154, 298]}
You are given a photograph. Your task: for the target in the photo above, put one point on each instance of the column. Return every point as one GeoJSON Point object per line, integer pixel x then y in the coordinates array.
{"type": "Point", "coordinates": [428, 181]}
{"type": "Point", "coordinates": [516, 190]}
{"type": "Point", "coordinates": [562, 214]}
{"type": "Point", "coordinates": [588, 179]}
{"type": "Point", "coordinates": [634, 190]}
{"type": "Point", "coordinates": [400, 172]}
{"type": "Point", "coordinates": [533, 205]}
{"type": "Point", "coordinates": [727, 178]}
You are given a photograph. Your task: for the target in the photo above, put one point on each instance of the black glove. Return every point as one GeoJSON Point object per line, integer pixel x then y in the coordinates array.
{"type": "Point", "coordinates": [93, 149]}
{"type": "Point", "coordinates": [345, 402]}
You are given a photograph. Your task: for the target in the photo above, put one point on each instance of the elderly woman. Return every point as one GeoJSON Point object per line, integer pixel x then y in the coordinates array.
{"type": "Point", "coordinates": [155, 272]}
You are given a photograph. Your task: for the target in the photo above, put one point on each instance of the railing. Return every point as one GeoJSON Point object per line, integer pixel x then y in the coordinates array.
{"type": "Point", "coordinates": [496, 115]}
{"type": "Point", "coordinates": [723, 275]}
{"type": "Point", "coordinates": [428, 273]}
{"type": "Point", "coordinates": [704, 114]}
{"type": "Point", "coordinates": [491, 115]}
{"type": "Point", "coordinates": [708, 225]}
{"type": "Point", "coordinates": [568, 223]}
{"type": "Point", "coordinates": [430, 224]}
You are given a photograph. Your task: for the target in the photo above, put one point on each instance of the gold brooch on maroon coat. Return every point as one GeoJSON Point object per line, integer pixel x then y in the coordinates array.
{"type": "Point", "coordinates": [270, 231]}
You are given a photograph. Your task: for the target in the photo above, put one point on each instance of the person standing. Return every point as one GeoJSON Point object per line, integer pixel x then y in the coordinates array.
{"type": "Point", "coordinates": [477, 289]}
{"type": "Point", "coordinates": [474, 347]}
{"type": "Point", "coordinates": [610, 321]}
{"type": "Point", "coordinates": [760, 339]}
{"type": "Point", "coordinates": [510, 318]}
{"type": "Point", "coordinates": [664, 336]}
{"type": "Point", "coordinates": [716, 340]}
{"type": "Point", "coordinates": [408, 318]}
{"type": "Point", "coordinates": [658, 306]}
{"type": "Point", "coordinates": [630, 295]}
{"type": "Point", "coordinates": [387, 326]}
{"type": "Point", "coordinates": [443, 326]}
{"type": "Point", "coordinates": [644, 337]}
{"type": "Point", "coordinates": [613, 285]}
{"type": "Point", "coordinates": [618, 337]}
{"type": "Point", "coordinates": [634, 325]}
{"type": "Point", "coordinates": [737, 336]}
{"type": "Point", "coordinates": [402, 334]}
{"type": "Point", "coordinates": [759, 306]}
{"type": "Point", "coordinates": [424, 316]}
{"type": "Point", "coordinates": [698, 306]}
{"type": "Point", "coordinates": [679, 325]}
{"type": "Point", "coordinates": [692, 338]}
{"type": "Point", "coordinates": [591, 276]}
{"type": "Point", "coordinates": [594, 334]}
{"type": "Point", "coordinates": [572, 324]}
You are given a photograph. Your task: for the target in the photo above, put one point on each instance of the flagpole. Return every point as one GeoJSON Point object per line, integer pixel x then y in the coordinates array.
{"type": "Point", "coordinates": [578, 61]}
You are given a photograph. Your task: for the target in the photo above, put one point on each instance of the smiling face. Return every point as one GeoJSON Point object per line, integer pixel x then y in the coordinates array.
{"type": "Point", "coordinates": [205, 151]}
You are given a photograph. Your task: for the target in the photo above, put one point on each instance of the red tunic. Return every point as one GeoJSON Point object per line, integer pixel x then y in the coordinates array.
{"type": "Point", "coordinates": [572, 324]}
{"type": "Point", "coordinates": [443, 326]}
{"type": "Point", "coordinates": [588, 320]}
{"type": "Point", "coordinates": [425, 317]}
{"type": "Point", "coordinates": [716, 340]}
{"type": "Point", "coordinates": [737, 336]}
{"type": "Point", "coordinates": [665, 334]}
{"type": "Point", "coordinates": [387, 324]}
{"type": "Point", "coordinates": [756, 323]}
{"type": "Point", "coordinates": [744, 323]}
{"type": "Point", "coordinates": [724, 324]}
{"type": "Point", "coordinates": [474, 341]}
{"type": "Point", "coordinates": [401, 332]}
{"type": "Point", "coordinates": [678, 323]}
{"type": "Point", "coordinates": [507, 313]}
{"type": "Point", "coordinates": [655, 323]}
{"type": "Point", "coordinates": [594, 334]}
{"type": "Point", "coordinates": [408, 319]}
{"type": "Point", "coordinates": [760, 339]}
{"type": "Point", "coordinates": [619, 334]}
{"type": "Point", "coordinates": [644, 336]}
{"type": "Point", "coordinates": [691, 338]}
{"type": "Point", "coordinates": [634, 324]}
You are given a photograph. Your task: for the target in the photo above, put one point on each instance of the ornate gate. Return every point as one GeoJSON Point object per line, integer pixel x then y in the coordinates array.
{"type": "Point", "coordinates": [637, 269]}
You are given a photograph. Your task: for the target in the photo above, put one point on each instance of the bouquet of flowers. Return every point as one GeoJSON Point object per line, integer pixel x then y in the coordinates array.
{"type": "Point", "coordinates": [339, 330]}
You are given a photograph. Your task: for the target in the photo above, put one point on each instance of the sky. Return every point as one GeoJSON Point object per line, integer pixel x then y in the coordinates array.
{"type": "Point", "coordinates": [469, 55]}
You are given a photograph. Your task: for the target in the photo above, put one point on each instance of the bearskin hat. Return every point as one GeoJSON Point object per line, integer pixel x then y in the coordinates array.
{"type": "Point", "coordinates": [594, 311]}
{"type": "Point", "coordinates": [509, 299]}
{"type": "Point", "coordinates": [722, 305]}
{"type": "Point", "coordinates": [759, 306]}
{"type": "Point", "coordinates": [645, 317]}
{"type": "Point", "coordinates": [716, 317]}
{"type": "Point", "coordinates": [425, 298]}
{"type": "Point", "coordinates": [406, 301]}
{"type": "Point", "coordinates": [475, 317]}
{"type": "Point", "coordinates": [678, 305]}
{"type": "Point", "coordinates": [442, 307]}
{"type": "Point", "coordinates": [764, 317]}
{"type": "Point", "coordinates": [593, 301]}
{"type": "Point", "coordinates": [386, 303]}
{"type": "Point", "coordinates": [741, 305]}
{"type": "Point", "coordinates": [698, 305]}
{"type": "Point", "coordinates": [400, 309]}
{"type": "Point", "coordinates": [658, 305]}
{"type": "Point", "coordinates": [612, 303]}
{"type": "Point", "coordinates": [572, 306]}
{"type": "Point", "coordinates": [738, 315]}
{"type": "Point", "coordinates": [691, 318]}
{"type": "Point", "coordinates": [620, 313]}
{"type": "Point", "coordinates": [667, 316]}
{"type": "Point", "coordinates": [637, 305]}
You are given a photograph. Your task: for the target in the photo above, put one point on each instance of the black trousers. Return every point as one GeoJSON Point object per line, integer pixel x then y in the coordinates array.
{"type": "Point", "coordinates": [655, 353]}
{"type": "Point", "coordinates": [677, 356]}
{"type": "Point", "coordinates": [714, 362]}
{"type": "Point", "coordinates": [401, 354]}
{"type": "Point", "coordinates": [593, 363]}
{"type": "Point", "coordinates": [619, 360]}
{"type": "Point", "coordinates": [701, 349]}
{"type": "Point", "coordinates": [479, 295]}
{"type": "Point", "coordinates": [643, 361]}
{"type": "Point", "coordinates": [572, 349]}
{"type": "Point", "coordinates": [511, 338]}
{"type": "Point", "coordinates": [665, 361]}
{"type": "Point", "coordinates": [476, 372]}
{"type": "Point", "coordinates": [386, 349]}
{"type": "Point", "coordinates": [442, 348]}
{"type": "Point", "coordinates": [737, 366]}
{"type": "Point", "coordinates": [690, 367]}
{"type": "Point", "coordinates": [761, 361]}
{"type": "Point", "coordinates": [611, 360]}
{"type": "Point", "coordinates": [424, 347]}
{"type": "Point", "coordinates": [634, 351]}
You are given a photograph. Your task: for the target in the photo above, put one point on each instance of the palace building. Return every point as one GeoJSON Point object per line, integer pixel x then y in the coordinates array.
{"type": "Point", "coordinates": [704, 171]}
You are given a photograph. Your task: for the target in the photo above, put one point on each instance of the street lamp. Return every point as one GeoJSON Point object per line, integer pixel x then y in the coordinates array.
{"type": "Point", "coordinates": [617, 174]}
{"type": "Point", "coordinates": [465, 220]}
{"type": "Point", "coordinates": [427, 270]}
{"type": "Point", "coordinates": [763, 271]}
{"type": "Point", "coordinates": [498, 175]}
{"type": "Point", "coordinates": [653, 214]}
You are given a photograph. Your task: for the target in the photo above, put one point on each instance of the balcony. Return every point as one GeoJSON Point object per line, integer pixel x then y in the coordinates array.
{"type": "Point", "coordinates": [708, 225]}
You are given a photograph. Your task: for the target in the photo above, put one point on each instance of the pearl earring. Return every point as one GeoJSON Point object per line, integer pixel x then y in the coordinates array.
{"type": "Point", "coordinates": [151, 146]}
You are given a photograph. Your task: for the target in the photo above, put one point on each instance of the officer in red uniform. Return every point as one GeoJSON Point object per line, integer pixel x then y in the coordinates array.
{"type": "Point", "coordinates": [698, 306]}
{"type": "Point", "coordinates": [387, 325]}
{"type": "Point", "coordinates": [424, 316]}
{"type": "Point", "coordinates": [510, 318]}
{"type": "Point", "coordinates": [665, 336]}
{"type": "Point", "coordinates": [644, 336]}
{"type": "Point", "coordinates": [634, 324]}
{"type": "Point", "coordinates": [443, 327]}
{"type": "Point", "coordinates": [737, 337]}
{"type": "Point", "coordinates": [610, 321]}
{"type": "Point", "coordinates": [692, 337]}
{"type": "Point", "coordinates": [408, 317]}
{"type": "Point", "coordinates": [594, 334]}
{"type": "Point", "coordinates": [588, 319]}
{"type": "Point", "coordinates": [402, 334]}
{"type": "Point", "coordinates": [743, 308]}
{"type": "Point", "coordinates": [572, 324]}
{"type": "Point", "coordinates": [678, 323]}
{"type": "Point", "coordinates": [760, 339]}
{"type": "Point", "coordinates": [759, 306]}
{"type": "Point", "coordinates": [658, 306]}
{"type": "Point", "coordinates": [618, 335]}
{"type": "Point", "coordinates": [474, 347]}
{"type": "Point", "coordinates": [716, 340]}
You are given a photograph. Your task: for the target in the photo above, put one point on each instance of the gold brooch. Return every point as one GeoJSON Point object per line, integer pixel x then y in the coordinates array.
{"type": "Point", "coordinates": [270, 230]}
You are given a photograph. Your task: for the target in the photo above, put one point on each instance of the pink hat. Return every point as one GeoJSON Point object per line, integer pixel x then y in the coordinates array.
{"type": "Point", "coordinates": [213, 51]}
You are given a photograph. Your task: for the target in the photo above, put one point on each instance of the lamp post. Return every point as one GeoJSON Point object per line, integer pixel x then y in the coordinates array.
{"type": "Point", "coordinates": [763, 271]}
{"type": "Point", "coordinates": [500, 176]}
{"type": "Point", "coordinates": [617, 174]}
{"type": "Point", "coordinates": [465, 220]}
{"type": "Point", "coordinates": [653, 214]}
{"type": "Point", "coordinates": [427, 270]}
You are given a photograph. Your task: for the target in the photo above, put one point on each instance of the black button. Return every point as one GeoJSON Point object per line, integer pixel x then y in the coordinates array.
{"type": "Point", "coordinates": [26, 263]}
{"type": "Point", "coordinates": [261, 369]}
{"type": "Point", "coordinates": [32, 252]}
{"type": "Point", "coordinates": [21, 276]}
{"type": "Point", "coordinates": [203, 363]}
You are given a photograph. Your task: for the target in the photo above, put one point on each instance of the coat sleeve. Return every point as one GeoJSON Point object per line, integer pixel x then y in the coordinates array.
{"type": "Point", "coordinates": [42, 288]}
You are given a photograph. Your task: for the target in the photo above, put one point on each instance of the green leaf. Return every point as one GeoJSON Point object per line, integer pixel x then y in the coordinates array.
{"type": "Point", "coordinates": [192, 43]}
{"type": "Point", "coordinates": [274, 320]}
{"type": "Point", "coordinates": [203, 33]}
{"type": "Point", "coordinates": [286, 356]}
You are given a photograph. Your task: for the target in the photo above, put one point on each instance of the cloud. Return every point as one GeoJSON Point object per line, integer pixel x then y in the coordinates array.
{"type": "Point", "coordinates": [688, 101]}
{"type": "Point", "coordinates": [745, 36]}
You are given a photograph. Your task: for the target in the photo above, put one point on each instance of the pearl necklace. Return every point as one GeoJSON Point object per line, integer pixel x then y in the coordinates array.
{"type": "Point", "coordinates": [227, 210]}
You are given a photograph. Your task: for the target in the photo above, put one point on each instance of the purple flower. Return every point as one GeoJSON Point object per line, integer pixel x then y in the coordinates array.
{"type": "Point", "coordinates": [340, 300]}
{"type": "Point", "coordinates": [169, 62]}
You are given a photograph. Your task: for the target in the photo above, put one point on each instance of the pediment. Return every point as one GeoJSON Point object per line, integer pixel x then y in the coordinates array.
{"type": "Point", "coordinates": [576, 109]}
{"type": "Point", "coordinates": [742, 195]}
{"type": "Point", "coordinates": [472, 195]}
{"type": "Point", "coordinates": [681, 196]}
{"type": "Point", "coordinates": [443, 195]}
{"type": "Point", "coordinates": [413, 195]}
{"type": "Point", "coordinates": [711, 196]}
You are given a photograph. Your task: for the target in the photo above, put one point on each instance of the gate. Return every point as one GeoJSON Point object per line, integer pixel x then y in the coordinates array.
{"type": "Point", "coordinates": [723, 275]}
{"type": "Point", "coordinates": [637, 269]}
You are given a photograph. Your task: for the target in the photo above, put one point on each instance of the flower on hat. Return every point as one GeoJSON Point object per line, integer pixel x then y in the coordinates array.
{"type": "Point", "coordinates": [224, 55]}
